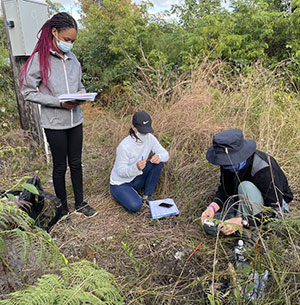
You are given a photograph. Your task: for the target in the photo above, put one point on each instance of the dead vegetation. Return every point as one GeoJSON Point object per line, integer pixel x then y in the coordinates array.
{"type": "Point", "coordinates": [148, 257]}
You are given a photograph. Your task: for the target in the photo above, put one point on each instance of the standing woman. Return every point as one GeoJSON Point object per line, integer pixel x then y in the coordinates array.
{"type": "Point", "coordinates": [132, 170]}
{"type": "Point", "coordinates": [52, 70]}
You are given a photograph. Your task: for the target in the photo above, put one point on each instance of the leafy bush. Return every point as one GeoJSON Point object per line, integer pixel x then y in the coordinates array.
{"type": "Point", "coordinates": [8, 105]}
{"type": "Point", "coordinates": [117, 36]}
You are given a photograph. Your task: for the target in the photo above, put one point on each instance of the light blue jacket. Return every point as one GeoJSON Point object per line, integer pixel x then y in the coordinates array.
{"type": "Point", "coordinates": [65, 77]}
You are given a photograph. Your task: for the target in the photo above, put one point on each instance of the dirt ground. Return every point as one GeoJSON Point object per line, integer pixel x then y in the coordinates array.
{"type": "Point", "coordinates": [147, 257]}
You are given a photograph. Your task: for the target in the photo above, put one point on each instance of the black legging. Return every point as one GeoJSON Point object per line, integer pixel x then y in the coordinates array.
{"type": "Point", "coordinates": [66, 143]}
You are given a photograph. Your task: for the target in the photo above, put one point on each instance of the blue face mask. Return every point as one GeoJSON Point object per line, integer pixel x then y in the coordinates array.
{"type": "Point", "coordinates": [64, 46]}
{"type": "Point", "coordinates": [235, 167]}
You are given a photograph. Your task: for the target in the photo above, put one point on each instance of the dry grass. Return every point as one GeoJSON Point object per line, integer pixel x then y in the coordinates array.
{"type": "Point", "coordinates": [140, 251]}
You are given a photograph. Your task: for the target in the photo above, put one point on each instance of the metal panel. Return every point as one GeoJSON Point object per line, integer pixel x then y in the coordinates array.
{"type": "Point", "coordinates": [28, 17]}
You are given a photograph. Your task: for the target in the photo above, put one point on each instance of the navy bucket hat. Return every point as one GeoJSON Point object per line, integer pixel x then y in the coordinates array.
{"type": "Point", "coordinates": [229, 147]}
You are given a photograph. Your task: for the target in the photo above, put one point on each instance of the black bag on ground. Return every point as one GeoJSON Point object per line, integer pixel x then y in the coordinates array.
{"type": "Point", "coordinates": [37, 202]}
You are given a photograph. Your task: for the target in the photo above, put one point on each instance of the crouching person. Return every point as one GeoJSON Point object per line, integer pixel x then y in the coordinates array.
{"type": "Point", "coordinates": [132, 170]}
{"type": "Point", "coordinates": [250, 179]}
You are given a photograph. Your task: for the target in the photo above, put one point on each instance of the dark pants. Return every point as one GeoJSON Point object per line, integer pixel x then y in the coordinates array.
{"type": "Point", "coordinates": [126, 194]}
{"type": "Point", "coordinates": [66, 145]}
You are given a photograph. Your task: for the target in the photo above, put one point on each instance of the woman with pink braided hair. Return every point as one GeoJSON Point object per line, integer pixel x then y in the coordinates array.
{"type": "Point", "coordinates": [50, 71]}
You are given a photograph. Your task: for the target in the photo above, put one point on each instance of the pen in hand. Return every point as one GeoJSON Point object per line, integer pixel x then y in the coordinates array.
{"type": "Point", "coordinates": [141, 164]}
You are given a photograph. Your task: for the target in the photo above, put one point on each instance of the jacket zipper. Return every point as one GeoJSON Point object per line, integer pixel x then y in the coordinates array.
{"type": "Point", "coordinates": [66, 77]}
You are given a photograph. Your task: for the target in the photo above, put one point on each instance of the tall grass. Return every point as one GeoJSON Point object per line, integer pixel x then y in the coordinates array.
{"type": "Point", "coordinates": [208, 102]}
{"type": "Point", "coordinates": [262, 104]}
{"type": "Point", "coordinates": [140, 251]}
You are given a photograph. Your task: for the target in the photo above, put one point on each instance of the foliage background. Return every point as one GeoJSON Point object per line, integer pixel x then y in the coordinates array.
{"type": "Point", "coordinates": [8, 109]}
{"type": "Point", "coordinates": [208, 70]}
{"type": "Point", "coordinates": [117, 36]}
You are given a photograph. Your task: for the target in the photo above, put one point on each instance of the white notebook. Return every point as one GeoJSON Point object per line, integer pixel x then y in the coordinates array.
{"type": "Point", "coordinates": [77, 96]}
{"type": "Point", "coordinates": [158, 210]}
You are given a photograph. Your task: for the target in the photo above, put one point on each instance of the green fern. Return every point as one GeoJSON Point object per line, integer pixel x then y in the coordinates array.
{"type": "Point", "coordinates": [12, 216]}
{"type": "Point", "coordinates": [16, 225]}
{"type": "Point", "coordinates": [26, 251]}
{"type": "Point", "coordinates": [78, 283]}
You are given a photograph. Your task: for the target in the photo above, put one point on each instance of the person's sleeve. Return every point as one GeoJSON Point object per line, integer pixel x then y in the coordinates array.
{"type": "Point", "coordinates": [255, 220]}
{"type": "Point", "coordinates": [270, 192]}
{"type": "Point", "coordinates": [159, 150]}
{"type": "Point", "coordinates": [123, 168]}
{"type": "Point", "coordinates": [30, 89]}
{"type": "Point", "coordinates": [81, 87]}
{"type": "Point", "coordinates": [220, 196]}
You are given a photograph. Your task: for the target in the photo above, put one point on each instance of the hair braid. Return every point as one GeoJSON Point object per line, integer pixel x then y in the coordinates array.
{"type": "Point", "coordinates": [59, 21]}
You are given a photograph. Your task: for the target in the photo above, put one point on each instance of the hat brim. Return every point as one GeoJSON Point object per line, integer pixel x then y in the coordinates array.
{"type": "Point", "coordinates": [145, 129]}
{"type": "Point", "coordinates": [237, 157]}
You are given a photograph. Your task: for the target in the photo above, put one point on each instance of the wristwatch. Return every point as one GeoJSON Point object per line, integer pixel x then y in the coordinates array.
{"type": "Point", "coordinates": [245, 222]}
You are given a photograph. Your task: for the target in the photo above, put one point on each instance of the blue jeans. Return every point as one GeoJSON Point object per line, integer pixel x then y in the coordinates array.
{"type": "Point", "coordinates": [126, 193]}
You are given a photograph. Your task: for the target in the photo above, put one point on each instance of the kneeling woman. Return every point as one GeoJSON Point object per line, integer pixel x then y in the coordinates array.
{"type": "Point", "coordinates": [132, 170]}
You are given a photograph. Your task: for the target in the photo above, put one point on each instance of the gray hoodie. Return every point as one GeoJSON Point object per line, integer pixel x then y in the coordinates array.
{"type": "Point", "coordinates": [65, 77]}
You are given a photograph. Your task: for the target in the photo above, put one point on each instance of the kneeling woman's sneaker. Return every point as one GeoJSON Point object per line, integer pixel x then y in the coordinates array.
{"type": "Point", "coordinates": [86, 210]}
{"type": "Point", "coordinates": [146, 200]}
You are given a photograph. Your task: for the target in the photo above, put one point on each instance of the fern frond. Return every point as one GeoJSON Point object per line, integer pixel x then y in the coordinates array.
{"type": "Point", "coordinates": [78, 283]}
{"type": "Point", "coordinates": [40, 294]}
{"type": "Point", "coordinates": [27, 251]}
{"type": "Point", "coordinates": [12, 216]}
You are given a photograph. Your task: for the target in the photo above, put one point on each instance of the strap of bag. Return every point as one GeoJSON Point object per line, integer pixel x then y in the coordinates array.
{"type": "Point", "coordinates": [52, 198]}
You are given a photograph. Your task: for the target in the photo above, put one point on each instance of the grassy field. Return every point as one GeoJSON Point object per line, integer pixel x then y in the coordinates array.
{"type": "Point", "coordinates": [148, 257]}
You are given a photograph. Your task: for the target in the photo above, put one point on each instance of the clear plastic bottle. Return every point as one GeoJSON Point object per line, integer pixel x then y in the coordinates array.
{"type": "Point", "coordinates": [259, 285]}
{"type": "Point", "coordinates": [239, 252]}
